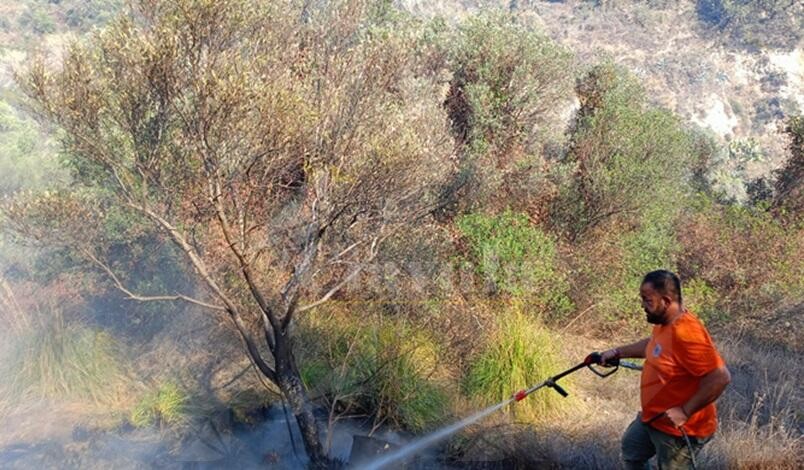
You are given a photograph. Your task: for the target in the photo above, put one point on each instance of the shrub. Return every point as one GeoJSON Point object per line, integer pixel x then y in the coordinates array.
{"type": "Point", "coordinates": [38, 20]}
{"type": "Point", "coordinates": [747, 256]}
{"type": "Point", "coordinates": [380, 366]}
{"type": "Point", "coordinates": [511, 76]}
{"type": "Point", "coordinates": [619, 149]}
{"type": "Point", "coordinates": [766, 24]}
{"type": "Point", "coordinates": [608, 264]}
{"type": "Point", "coordinates": [729, 173]}
{"type": "Point", "coordinates": [517, 259]}
{"type": "Point", "coordinates": [507, 90]}
{"type": "Point", "coordinates": [84, 14]}
{"type": "Point", "coordinates": [702, 299]}
{"type": "Point", "coordinates": [27, 160]}
{"type": "Point", "coordinates": [54, 360]}
{"type": "Point", "coordinates": [520, 353]}
{"type": "Point", "coordinates": [167, 404]}
{"type": "Point", "coordinates": [789, 185]}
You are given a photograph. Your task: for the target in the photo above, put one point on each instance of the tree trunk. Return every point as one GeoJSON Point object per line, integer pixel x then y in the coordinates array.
{"type": "Point", "coordinates": [290, 384]}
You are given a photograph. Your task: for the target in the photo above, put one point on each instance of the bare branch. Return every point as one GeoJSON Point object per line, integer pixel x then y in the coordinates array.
{"type": "Point", "coordinates": [145, 298]}
{"type": "Point", "coordinates": [328, 295]}
{"type": "Point", "coordinates": [202, 271]}
{"type": "Point", "coordinates": [245, 268]}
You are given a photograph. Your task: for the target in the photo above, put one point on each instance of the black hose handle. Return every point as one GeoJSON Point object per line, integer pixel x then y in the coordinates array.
{"type": "Point", "coordinates": [597, 358]}
{"type": "Point", "coordinates": [552, 384]}
{"type": "Point", "coordinates": [560, 390]}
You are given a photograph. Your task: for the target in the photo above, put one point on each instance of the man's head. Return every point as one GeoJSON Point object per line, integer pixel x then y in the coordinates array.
{"type": "Point", "coordinates": [661, 296]}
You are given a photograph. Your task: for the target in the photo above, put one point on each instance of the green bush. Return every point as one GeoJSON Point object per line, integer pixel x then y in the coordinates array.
{"type": "Point", "coordinates": [729, 173]}
{"type": "Point", "coordinates": [27, 160]}
{"type": "Point", "coordinates": [84, 14]}
{"type": "Point", "coordinates": [38, 20]}
{"type": "Point", "coordinates": [747, 256]}
{"type": "Point", "coordinates": [518, 259]}
{"type": "Point", "coordinates": [519, 354]}
{"type": "Point", "coordinates": [625, 157]}
{"type": "Point", "coordinates": [650, 246]}
{"type": "Point", "coordinates": [511, 74]}
{"type": "Point", "coordinates": [166, 404]}
{"type": "Point", "coordinates": [702, 300]}
{"type": "Point", "coordinates": [509, 84]}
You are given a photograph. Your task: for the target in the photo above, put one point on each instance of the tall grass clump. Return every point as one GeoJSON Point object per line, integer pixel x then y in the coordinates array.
{"type": "Point", "coordinates": [166, 404]}
{"type": "Point", "coordinates": [378, 366]}
{"type": "Point", "coordinates": [760, 412]}
{"type": "Point", "coordinates": [520, 353]}
{"type": "Point", "coordinates": [403, 363]}
{"type": "Point", "coordinates": [59, 361]}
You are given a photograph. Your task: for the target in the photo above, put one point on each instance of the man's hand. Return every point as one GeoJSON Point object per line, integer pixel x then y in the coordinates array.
{"type": "Point", "coordinates": [607, 356]}
{"type": "Point", "coordinates": [677, 416]}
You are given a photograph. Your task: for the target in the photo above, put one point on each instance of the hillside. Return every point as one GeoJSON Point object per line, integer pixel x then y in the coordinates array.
{"type": "Point", "coordinates": [702, 72]}
{"type": "Point", "coordinates": [696, 69]}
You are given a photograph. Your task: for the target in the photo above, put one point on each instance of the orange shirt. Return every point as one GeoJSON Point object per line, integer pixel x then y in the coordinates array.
{"type": "Point", "coordinates": [676, 358]}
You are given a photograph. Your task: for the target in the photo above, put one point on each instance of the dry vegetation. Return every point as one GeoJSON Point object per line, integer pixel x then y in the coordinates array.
{"type": "Point", "coordinates": [380, 217]}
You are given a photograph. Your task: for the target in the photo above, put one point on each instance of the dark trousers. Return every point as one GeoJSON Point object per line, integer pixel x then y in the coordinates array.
{"type": "Point", "coordinates": [641, 442]}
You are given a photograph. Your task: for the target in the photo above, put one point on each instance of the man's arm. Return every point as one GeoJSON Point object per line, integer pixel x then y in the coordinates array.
{"type": "Point", "coordinates": [634, 350]}
{"type": "Point", "coordinates": [711, 387]}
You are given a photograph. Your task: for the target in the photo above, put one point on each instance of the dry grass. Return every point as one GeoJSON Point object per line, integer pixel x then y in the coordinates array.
{"type": "Point", "coordinates": [54, 370]}
{"type": "Point", "coordinates": [760, 411]}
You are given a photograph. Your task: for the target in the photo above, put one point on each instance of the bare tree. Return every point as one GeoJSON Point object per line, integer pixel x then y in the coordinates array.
{"type": "Point", "coordinates": [275, 146]}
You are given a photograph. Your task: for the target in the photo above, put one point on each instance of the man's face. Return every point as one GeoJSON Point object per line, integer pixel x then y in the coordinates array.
{"type": "Point", "coordinates": [653, 303]}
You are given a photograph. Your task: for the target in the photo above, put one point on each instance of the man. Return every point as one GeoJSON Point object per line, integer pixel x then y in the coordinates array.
{"type": "Point", "coordinates": [682, 377]}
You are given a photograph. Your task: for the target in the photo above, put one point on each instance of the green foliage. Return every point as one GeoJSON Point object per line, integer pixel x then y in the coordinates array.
{"type": "Point", "coordinates": [166, 404]}
{"type": "Point", "coordinates": [38, 19]}
{"type": "Point", "coordinates": [706, 151]}
{"type": "Point", "coordinates": [625, 157]}
{"type": "Point", "coordinates": [702, 299]}
{"type": "Point", "coordinates": [509, 85]}
{"type": "Point", "coordinates": [789, 184]}
{"type": "Point", "coordinates": [84, 14]}
{"type": "Point", "coordinates": [27, 159]}
{"type": "Point", "coordinates": [388, 369]}
{"type": "Point", "coordinates": [747, 255]}
{"type": "Point", "coordinates": [513, 77]}
{"type": "Point", "coordinates": [518, 259]}
{"type": "Point", "coordinates": [649, 247]}
{"type": "Point", "coordinates": [729, 172]}
{"type": "Point", "coordinates": [402, 390]}
{"type": "Point", "coordinates": [520, 353]}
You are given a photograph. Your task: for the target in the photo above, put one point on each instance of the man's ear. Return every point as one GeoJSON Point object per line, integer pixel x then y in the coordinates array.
{"type": "Point", "coordinates": [667, 300]}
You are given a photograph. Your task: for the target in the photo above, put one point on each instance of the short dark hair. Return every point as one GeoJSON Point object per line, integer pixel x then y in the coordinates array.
{"type": "Point", "coordinates": [665, 283]}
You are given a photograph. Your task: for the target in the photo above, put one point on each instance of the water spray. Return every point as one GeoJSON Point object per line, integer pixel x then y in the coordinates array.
{"type": "Point", "coordinates": [406, 451]}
